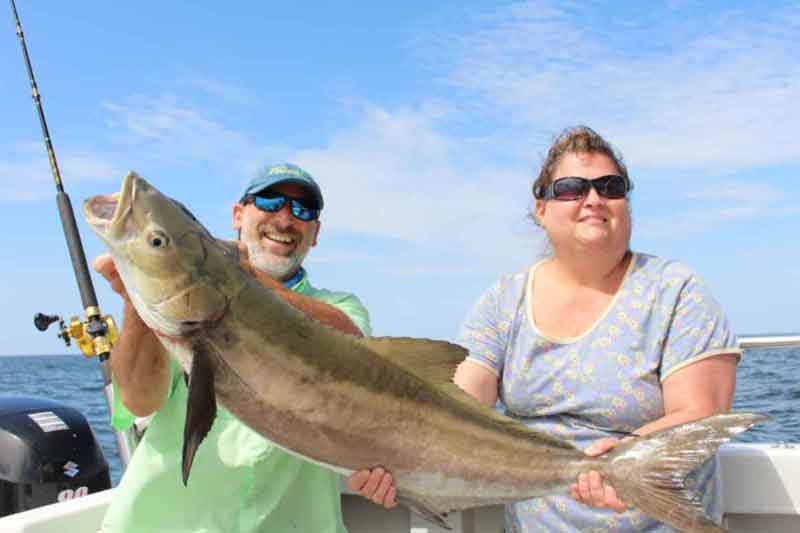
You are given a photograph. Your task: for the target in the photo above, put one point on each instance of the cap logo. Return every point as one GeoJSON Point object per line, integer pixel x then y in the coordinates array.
{"type": "Point", "coordinates": [287, 170]}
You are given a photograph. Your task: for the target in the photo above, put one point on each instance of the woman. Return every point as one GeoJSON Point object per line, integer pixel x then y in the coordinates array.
{"type": "Point", "coordinates": [595, 341]}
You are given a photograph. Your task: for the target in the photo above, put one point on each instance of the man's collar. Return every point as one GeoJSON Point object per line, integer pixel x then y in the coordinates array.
{"type": "Point", "coordinates": [294, 280]}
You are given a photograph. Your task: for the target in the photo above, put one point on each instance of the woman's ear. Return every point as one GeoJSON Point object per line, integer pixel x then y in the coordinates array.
{"type": "Point", "coordinates": [538, 212]}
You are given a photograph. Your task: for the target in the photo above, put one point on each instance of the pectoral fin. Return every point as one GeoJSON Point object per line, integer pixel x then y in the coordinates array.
{"type": "Point", "coordinates": [201, 406]}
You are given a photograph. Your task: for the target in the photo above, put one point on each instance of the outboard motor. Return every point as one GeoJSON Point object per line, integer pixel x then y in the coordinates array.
{"type": "Point", "coordinates": [48, 453]}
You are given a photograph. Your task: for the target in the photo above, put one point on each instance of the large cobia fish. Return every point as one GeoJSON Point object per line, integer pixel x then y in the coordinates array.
{"type": "Point", "coordinates": [351, 403]}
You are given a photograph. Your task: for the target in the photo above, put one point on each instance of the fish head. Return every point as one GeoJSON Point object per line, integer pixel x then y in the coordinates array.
{"type": "Point", "coordinates": [176, 274]}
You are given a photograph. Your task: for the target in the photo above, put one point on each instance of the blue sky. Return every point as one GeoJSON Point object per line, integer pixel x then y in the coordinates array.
{"type": "Point", "coordinates": [425, 124]}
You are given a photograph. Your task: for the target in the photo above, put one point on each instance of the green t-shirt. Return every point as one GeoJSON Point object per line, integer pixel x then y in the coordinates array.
{"type": "Point", "coordinates": [240, 482]}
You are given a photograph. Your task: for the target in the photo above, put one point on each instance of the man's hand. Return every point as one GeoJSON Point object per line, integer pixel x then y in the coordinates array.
{"type": "Point", "coordinates": [104, 265]}
{"type": "Point", "coordinates": [376, 485]}
{"type": "Point", "coordinates": [139, 365]}
{"type": "Point", "coordinates": [590, 488]}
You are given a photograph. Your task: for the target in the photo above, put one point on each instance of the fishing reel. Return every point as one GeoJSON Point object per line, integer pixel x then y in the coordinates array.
{"type": "Point", "coordinates": [95, 336]}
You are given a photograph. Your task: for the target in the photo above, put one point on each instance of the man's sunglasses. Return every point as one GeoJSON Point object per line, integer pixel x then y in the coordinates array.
{"type": "Point", "coordinates": [573, 188]}
{"type": "Point", "coordinates": [275, 202]}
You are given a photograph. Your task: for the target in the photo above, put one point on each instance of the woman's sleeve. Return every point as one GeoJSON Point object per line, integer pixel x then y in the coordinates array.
{"type": "Point", "coordinates": [485, 330]}
{"type": "Point", "coordinates": [698, 328]}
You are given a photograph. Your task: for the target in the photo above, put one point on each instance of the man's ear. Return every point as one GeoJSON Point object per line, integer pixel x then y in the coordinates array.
{"type": "Point", "coordinates": [316, 233]}
{"type": "Point", "coordinates": [238, 213]}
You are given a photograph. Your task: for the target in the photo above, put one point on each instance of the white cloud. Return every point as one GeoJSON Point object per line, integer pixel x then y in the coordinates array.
{"type": "Point", "coordinates": [400, 178]}
{"type": "Point", "coordinates": [702, 93]}
{"type": "Point", "coordinates": [397, 174]}
{"type": "Point", "coordinates": [176, 131]}
{"type": "Point", "coordinates": [227, 91]}
{"type": "Point", "coordinates": [395, 264]}
{"type": "Point", "coordinates": [685, 223]}
{"type": "Point", "coordinates": [88, 168]}
{"type": "Point", "coordinates": [163, 130]}
{"type": "Point", "coordinates": [33, 179]}
{"type": "Point", "coordinates": [761, 194]}
{"type": "Point", "coordinates": [711, 99]}
{"type": "Point", "coordinates": [787, 211]}
{"type": "Point", "coordinates": [721, 203]}
{"type": "Point", "coordinates": [25, 181]}
{"type": "Point", "coordinates": [160, 118]}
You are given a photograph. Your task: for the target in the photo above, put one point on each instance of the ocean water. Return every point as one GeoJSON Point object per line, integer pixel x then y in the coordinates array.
{"type": "Point", "coordinates": [768, 381]}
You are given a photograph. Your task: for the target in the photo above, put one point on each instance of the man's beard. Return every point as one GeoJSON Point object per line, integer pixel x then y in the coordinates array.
{"type": "Point", "coordinates": [274, 266]}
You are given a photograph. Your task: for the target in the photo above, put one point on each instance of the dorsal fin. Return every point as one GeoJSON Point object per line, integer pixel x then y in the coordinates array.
{"type": "Point", "coordinates": [435, 362]}
{"type": "Point", "coordinates": [432, 360]}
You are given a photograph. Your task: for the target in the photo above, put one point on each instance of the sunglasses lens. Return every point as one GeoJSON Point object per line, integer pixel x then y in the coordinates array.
{"type": "Point", "coordinates": [273, 204]}
{"type": "Point", "coordinates": [574, 188]}
{"type": "Point", "coordinates": [613, 187]}
{"type": "Point", "coordinates": [570, 188]}
{"type": "Point", "coordinates": [270, 204]}
{"type": "Point", "coordinates": [304, 213]}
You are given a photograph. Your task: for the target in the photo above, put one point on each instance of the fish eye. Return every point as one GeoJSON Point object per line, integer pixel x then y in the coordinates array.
{"type": "Point", "coordinates": [158, 239]}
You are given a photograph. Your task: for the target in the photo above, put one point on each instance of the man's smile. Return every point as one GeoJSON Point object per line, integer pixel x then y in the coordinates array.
{"type": "Point", "coordinates": [281, 238]}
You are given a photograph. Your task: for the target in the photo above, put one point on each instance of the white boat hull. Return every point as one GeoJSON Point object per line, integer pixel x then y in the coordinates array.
{"type": "Point", "coordinates": [759, 489]}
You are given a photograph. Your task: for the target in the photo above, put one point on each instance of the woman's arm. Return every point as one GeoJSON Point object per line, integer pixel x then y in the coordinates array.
{"type": "Point", "coordinates": [477, 381]}
{"type": "Point", "coordinates": [695, 391]}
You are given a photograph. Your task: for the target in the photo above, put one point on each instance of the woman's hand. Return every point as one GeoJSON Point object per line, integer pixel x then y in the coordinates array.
{"type": "Point", "coordinates": [376, 485]}
{"type": "Point", "coordinates": [590, 488]}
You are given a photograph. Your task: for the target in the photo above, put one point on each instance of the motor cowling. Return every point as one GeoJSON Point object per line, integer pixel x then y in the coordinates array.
{"type": "Point", "coordinates": [48, 453]}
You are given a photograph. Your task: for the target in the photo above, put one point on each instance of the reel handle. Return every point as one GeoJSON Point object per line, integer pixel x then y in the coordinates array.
{"type": "Point", "coordinates": [42, 321]}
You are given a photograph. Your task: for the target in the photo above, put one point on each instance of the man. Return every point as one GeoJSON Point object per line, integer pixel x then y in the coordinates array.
{"type": "Point", "coordinates": [240, 481]}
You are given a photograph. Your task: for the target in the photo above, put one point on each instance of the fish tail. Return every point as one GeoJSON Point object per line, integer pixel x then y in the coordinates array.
{"type": "Point", "coordinates": [650, 472]}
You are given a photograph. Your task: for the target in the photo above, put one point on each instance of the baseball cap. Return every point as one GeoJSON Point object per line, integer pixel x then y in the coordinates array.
{"type": "Point", "coordinates": [284, 173]}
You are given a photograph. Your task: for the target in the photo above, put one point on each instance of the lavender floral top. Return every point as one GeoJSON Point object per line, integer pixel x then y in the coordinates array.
{"type": "Point", "coordinates": [605, 382]}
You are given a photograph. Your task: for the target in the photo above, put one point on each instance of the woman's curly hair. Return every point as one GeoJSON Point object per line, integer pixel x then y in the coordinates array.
{"type": "Point", "coordinates": [575, 140]}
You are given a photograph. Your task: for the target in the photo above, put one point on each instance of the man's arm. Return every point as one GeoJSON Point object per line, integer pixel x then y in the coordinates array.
{"type": "Point", "coordinates": [140, 366]}
{"type": "Point", "coordinates": [319, 311]}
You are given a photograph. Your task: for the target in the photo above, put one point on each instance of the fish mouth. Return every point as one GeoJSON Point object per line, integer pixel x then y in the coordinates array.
{"type": "Point", "coordinates": [106, 213]}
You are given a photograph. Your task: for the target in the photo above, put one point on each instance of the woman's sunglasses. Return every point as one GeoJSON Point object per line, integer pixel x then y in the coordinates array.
{"type": "Point", "coordinates": [275, 202]}
{"type": "Point", "coordinates": [574, 188]}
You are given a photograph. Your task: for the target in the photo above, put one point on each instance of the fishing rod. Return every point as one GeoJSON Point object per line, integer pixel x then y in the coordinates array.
{"type": "Point", "coordinates": [96, 334]}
